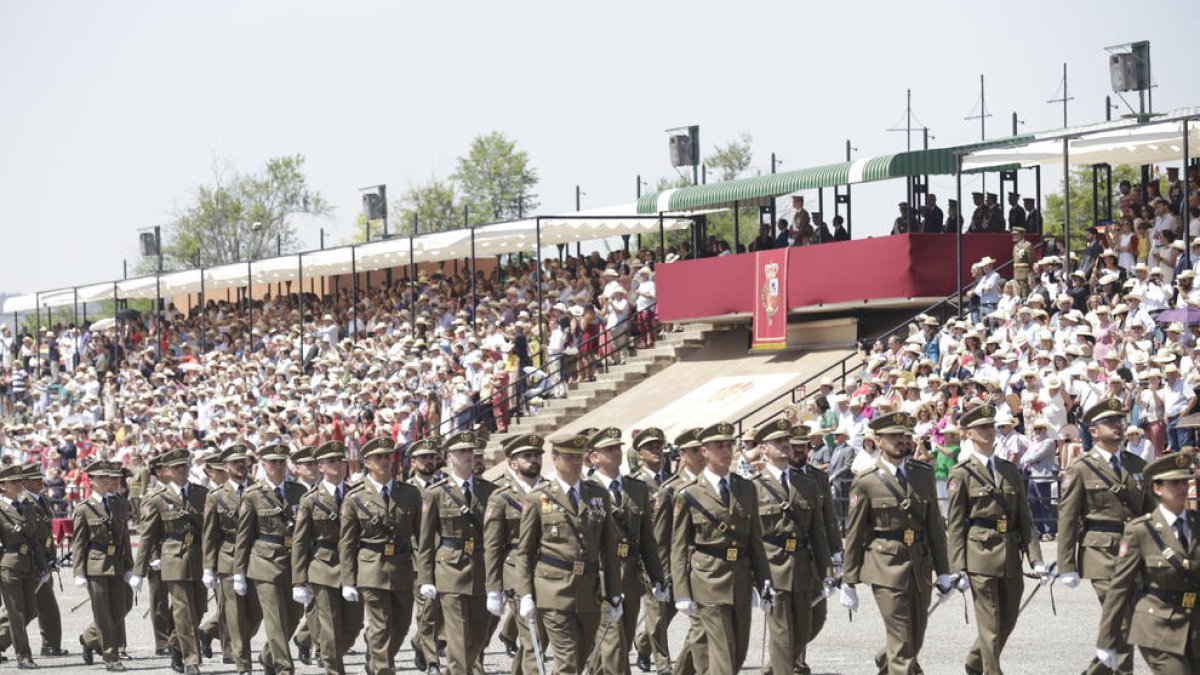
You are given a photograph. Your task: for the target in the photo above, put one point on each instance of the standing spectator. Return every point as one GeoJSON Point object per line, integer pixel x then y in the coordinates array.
{"type": "Point", "coordinates": [1040, 465]}
{"type": "Point", "coordinates": [647, 295]}
{"type": "Point", "coordinates": [1152, 410]}
{"type": "Point", "coordinates": [944, 458]}
{"type": "Point", "coordinates": [1179, 400]}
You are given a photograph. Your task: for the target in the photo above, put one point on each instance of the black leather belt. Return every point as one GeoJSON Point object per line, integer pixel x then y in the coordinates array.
{"type": "Point", "coordinates": [729, 553]}
{"type": "Point", "coordinates": [1185, 599]}
{"type": "Point", "coordinates": [401, 549]}
{"type": "Point", "coordinates": [904, 536]}
{"type": "Point", "coordinates": [228, 538]}
{"type": "Point", "coordinates": [275, 539]}
{"type": "Point", "coordinates": [326, 543]}
{"type": "Point", "coordinates": [577, 567]}
{"type": "Point", "coordinates": [1103, 526]}
{"type": "Point", "coordinates": [173, 536]}
{"type": "Point", "coordinates": [109, 549]}
{"type": "Point", "coordinates": [787, 543]}
{"type": "Point", "coordinates": [458, 543]}
{"type": "Point", "coordinates": [1001, 525]}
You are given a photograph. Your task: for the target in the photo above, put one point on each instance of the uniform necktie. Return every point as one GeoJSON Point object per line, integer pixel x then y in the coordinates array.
{"type": "Point", "coordinates": [901, 478]}
{"type": "Point", "coordinates": [574, 497]}
{"type": "Point", "coordinates": [991, 470]}
{"type": "Point", "coordinates": [17, 506]}
{"type": "Point", "coordinates": [183, 493]}
{"type": "Point", "coordinates": [1115, 463]}
{"type": "Point", "coordinates": [279, 493]}
{"type": "Point", "coordinates": [1180, 534]}
{"type": "Point", "coordinates": [723, 489]}
{"type": "Point", "coordinates": [240, 489]}
{"type": "Point", "coordinates": [387, 497]}
{"type": "Point", "coordinates": [466, 487]}
{"type": "Point", "coordinates": [783, 478]}
{"type": "Point", "coordinates": [615, 488]}
{"type": "Point", "coordinates": [337, 495]}
{"type": "Point", "coordinates": [107, 508]}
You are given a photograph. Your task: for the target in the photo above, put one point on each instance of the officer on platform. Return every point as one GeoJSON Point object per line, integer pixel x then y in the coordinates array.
{"type": "Point", "coordinates": [103, 558]}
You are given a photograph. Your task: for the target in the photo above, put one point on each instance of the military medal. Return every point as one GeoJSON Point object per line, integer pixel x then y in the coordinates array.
{"type": "Point", "coordinates": [1002, 525]}
{"type": "Point", "coordinates": [909, 537]}
{"type": "Point", "coordinates": [731, 554]}
{"type": "Point", "coordinates": [111, 550]}
{"type": "Point", "coordinates": [623, 550]}
{"type": "Point", "coordinates": [578, 567]}
{"type": "Point", "coordinates": [790, 545]}
{"type": "Point", "coordinates": [389, 549]}
{"type": "Point", "coordinates": [469, 547]}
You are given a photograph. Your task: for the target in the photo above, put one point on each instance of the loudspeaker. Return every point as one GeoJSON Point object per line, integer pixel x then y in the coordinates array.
{"type": "Point", "coordinates": [1124, 72]}
{"type": "Point", "coordinates": [374, 206]}
{"type": "Point", "coordinates": [681, 150]}
{"type": "Point", "coordinates": [146, 239]}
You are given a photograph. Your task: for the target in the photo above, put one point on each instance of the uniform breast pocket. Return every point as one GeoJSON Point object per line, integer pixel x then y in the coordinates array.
{"type": "Point", "coordinates": [887, 512]}
{"type": "Point", "coordinates": [451, 522]}
{"type": "Point", "coordinates": [1097, 493]}
{"type": "Point", "coordinates": [770, 515]}
{"type": "Point", "coordinates": [554, 527]}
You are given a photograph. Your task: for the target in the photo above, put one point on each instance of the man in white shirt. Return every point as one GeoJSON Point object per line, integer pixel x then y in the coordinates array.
{"type": "Point", "coordinates": [1179, 400]}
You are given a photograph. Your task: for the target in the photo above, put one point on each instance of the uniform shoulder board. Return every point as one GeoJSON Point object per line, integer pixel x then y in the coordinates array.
{"type": "Point", "coordinates": [634, 479]}
{"type": "Point", "coordinates": [1142, 518]}
{"type": "Point", "coordinates": [312, 489]}
{"type": "Point", "coordinates": [254, 488]}
{"type": "Point", "coordinates": [919, 465]}
{"type": "Point", "coordinates": [437, 483]}
{"type": "Point", "coordinates": [540, 488]}
{"type": "Point", "coordinates": [351, 488]}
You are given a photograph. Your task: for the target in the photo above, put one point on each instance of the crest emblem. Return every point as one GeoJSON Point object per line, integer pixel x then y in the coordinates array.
{"type": "Point", "coordinates": [771, 294]}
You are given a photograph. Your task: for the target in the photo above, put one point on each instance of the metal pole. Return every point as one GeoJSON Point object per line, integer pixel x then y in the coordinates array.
{"type": "Point", "coordinates": [737, 238]}
{"type": "Point", "coordinates": [958, 235]}
{"type": "Point", "coordinates": [412, 269]}
{"type": "Point", "coordinates": [37, 329]}
{"type": "Point", "coordinates": [639, 186]}
{"type": "Point", "coordinates": [75, 317]}
{"type": "Point", "coordinates": [157, 317]}
{"type": "Point", "coordinates": [1186, 215]}
{"type": "Point", "coordinates": [300, 299]}
{"type": "Point", "coordinates": [203, 315]}
{"type": "Point", "coordinates": [354, 286]}
{"type": "Point", "coordinates": [1037, 182]}
{"type": "Point", "coordinates": [1095, 196]}
{"type": "Point", "coordinates": [849, 225]}
{"type": "Point", "coordinates": [474, 299]}
{"type": "Point", "coordinates": [537, 262]}
{"type": "Point", "coordinates": [115, 302]}
{"type": "Point", "coordinates": [662, 239]}
{"type": "Point", "coordinates": [1067, 203]}
{"type": "Point", "coordinates": [249, 303]}
{"type": "Point", "coordinates": [322, 239]}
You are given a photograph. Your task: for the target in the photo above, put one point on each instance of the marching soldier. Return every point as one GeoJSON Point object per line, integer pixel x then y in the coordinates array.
{"type": "Point", "coordinates": [139, 482]}
{"type": "Point", "coordinates": [307, 476]}
{"type": "Point", "coordinates": [262, 553]}
{"type": "Point", "coordinates": [501, 532]}
{"type": "Point", "coordinates": [1101, 492]}
{"type": "Point", "coordinates": [160, 608]}
{"type": "Point", "coordinates": [896, 541]}
{"type": "Point", "coordinates": [214, 626]}
{"type": "Point", "coordinates": [426, 459]}
{"type": "Point", "coordinates": [48, 616]}
{"type": "Point", "coordinates": [450, 565]}
{"type": "Point", "coordinates": [648, 446]}
{"type": "Point", "coordinates": [1022, 260]}
{"type": "Point", "coordinates": [633, 517]}
{"type": "Point", "coordinates": [989, 526]}
{"type": "Point", "coordinates": [379, 524]}
{"type": "Point", "coordinates": [692, 658]}
{"type": "Point", "coordinates": [316, 574]}
{"type": "Point", "coordinates": [567, 559]}
{"type": "Point", "coordinates": [1155, 576]}
{"type": "Point", "coordinates": [241, 614]}
{"type": "Point", "coordinates": [717, 553]}
{"type": "Point", "coordinates": [24, 566]}
{"type": "Point", "coordinates": [172, 523]}
{"type": "Point", "coordinates": [789, 504]}
{"type": "Point", "coordinates": [103, 560]}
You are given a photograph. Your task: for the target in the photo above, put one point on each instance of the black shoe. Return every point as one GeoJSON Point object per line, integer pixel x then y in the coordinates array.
{"type": "Point", "coordinates": [115, 667]}
{"type": "Point", "coordinates": [52, 650]}
{"type": "Point", "coordinates": [124, 655]}
{"type": "Point", "coordinates": [434, 669]}
{"type": "Point", "coordinates": [268, 671]}
{"type": "Point", "coordinates": [205, 644]}
{"type": "Point", "coordinates": [177, 660]}
{"type": "Point", "coordinates": [27, 664]}
{"type": "Point", "coordinates": [368, 664]}
{"type": "Point", "coordinates": [510, 647]}
{"type": "Point", "coordinates": [192, 670]}
{"type": "Point", "coordinates": [441, 647]}
{"type": "Point", "coordinates": [228, 659]}
{"type": "Point", "coordinates": [162, 652]}
{"type": "Point", "coordinates": [88, 656]}
{"type": "Point", "coordinates": [303, 653]}
{"type": "Point", "coordinates": [972, 671]}
{"type": "Point", "coordinates": [418, 659]}
{"type": "Point", "coordinates": [643, 662]}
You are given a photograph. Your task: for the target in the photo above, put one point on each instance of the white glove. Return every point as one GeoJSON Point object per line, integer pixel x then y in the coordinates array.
{"type": "Point", "coordinates": [302, 594]}
{"type": "Point", "coordinates": [837, 559]}
{"type": "Point", "coordinates": [685, 606]}
{"type": "Point", "coordinates": [945, 582]}
{"type": "Point", "coordinates": [939, 597]}
{"type": "Point", "coordinates": [349, 594]}
{"type": "Point", "coordinates": [613, 613]}
{"type": "Point", "coordinates": [239, 584]}
{"type": "Point", "coordinates": [660, 592]}
{"type": "Point", "coordinates": [1039, 569]}
{"type": "Point", "coordinates": [961, 581]}
{"type": "Point", "coordinates": [1070, 579]}
{"type": "Point", "coordinates": [849, 597]}
{"type": "Point", "coordinates": [44, 578]}
{"type": "Point", "coordinates": [755, 599]}
{"type": "Point", "coordinates": [768, 597]}
{"type": "Point", "coordinates": [81, 581]}
{"type": "Point", "coordinates": [135, 582]}
{"type": "Point", "coordinates": [1107, 657]}
{"type": "Point", "coordinates": [156, 564]}
{"type": "Point", "coordinates": [209, 579]}
{"type": "Point", "coordinates": [527, 608]}
{"type": "Point", "coordinates": [128, 575]}
{"type": "Point", "coordinates": [827, 586]}
{"type": "Point", "coordinates": [495, 603]}
{"type": "Point", "coordinates": [428, 591]}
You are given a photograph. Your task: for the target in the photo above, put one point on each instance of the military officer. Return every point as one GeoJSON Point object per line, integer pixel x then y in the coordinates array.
{"type": "Point", "coordinates": [241, 613]}
{"type": "Point", "coordinates": [652, 469]}
{"type": "Point", "coordinates": [172, 523]}
{"type": "Point", "coordinates": [989, 526]}
{"type": "Point", "coordinates": [450, 565]}
{"type": "Point", "coordinates": [1101, 491]}
{"type": "Point", "coordinates": [103, 560]}
{"type": "Point", "coordinates": [995, 217]}
{"type": "Point", "coordinates": [979, 217]}
{"type": "Point", "coordinates": [789, 504]}
{"type": "Point", "coordinates": [214, 626]}
{"type": "Point", "coordinates": [1016, 214]}
{"type": "Point", "coordinates": [1022, 260]}
{"type": "Point", "coordinates": [567, 558]}
{"type": "Point", "coordinates": [48, 616]}
{"type": "Point", "coordinates": [160, 607]}
{"type": "Point", "coordinates": [501, 533]}
{"type": "Point", "coordinates": [633, 516]}
{"type": "Point", "coordinates": [316, 577]}
{"type": "Point", "coordinates": [693, 658]}
{"type": "Point", "coordinates": [307, 475]}
{"type": "Point", "coordinates": [139, 482]}
{"type": "Point", "coordinates": [262, 553]}
{"type": "Point", "coordinates": [896, 541]}
{"type": "Point", "coordinates": [380, 520]}
{"type": "Point", "coordinates": [1155, 575]}
{"type": "Point", "coordinates": [24, 565]}
{"type": "Point", "coordinates": [717, 553]}
{"type": "Point", "coordinates": [425, 457]}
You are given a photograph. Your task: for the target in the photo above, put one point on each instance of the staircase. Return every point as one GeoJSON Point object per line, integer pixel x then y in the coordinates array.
{"type": "Point", "coordinates": [584, 396]}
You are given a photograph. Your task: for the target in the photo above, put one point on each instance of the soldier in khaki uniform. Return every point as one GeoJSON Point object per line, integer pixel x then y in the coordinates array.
{"type": "Point", "coordinates": [1156, 577]}
{"type": "Point", "coordinates": [160, 607]}
{"type": "Point", "coordinates": [139, 482]}
{"type": "Point", "coordinates": [693, 658]}
{"type": "Point", "coordinates": [262, 553]}
{"type": "Point", "coordinates": [1101, 492]}
{"type": "Point", "coordinates": [172, 520]}
{"type": "Point", "coordinates": [632, 513]}
{"type": "Point", "coordinates": [501, 532]}
{"type": "Point", "coordinates": [48, 616]}
{"type": "Point", "coordinates": [989, 526]}
{"type": "Point", "coordinates": [717, 553]}
{"type": "Point", "coordinates": [214, 626]}
{"type": "Point", "coordinates": [789, 504]}
{"type": "Point", "coordinates": [896, 541]}
{"type": "Point", "coordinates": [648, 446]}
{"type": "Point", "coordinates": [23, 565]}
{"type": "Point", "coordinates": [567, 559]}
{"type": "Point", "coordinates": [305, 464]}
{"type": "Point", "coordinates": [380, 520]}
{"type": "Point", "coordinates": [426, 458]}
{"type": "Point", "coordinates": [103, 560]}
{"type": "Point", "coordinates": [316, 573]}
{"type": "Point", "coordinates": [1022, 260]}
{"type": "Point", "coordinates": [450, 561]}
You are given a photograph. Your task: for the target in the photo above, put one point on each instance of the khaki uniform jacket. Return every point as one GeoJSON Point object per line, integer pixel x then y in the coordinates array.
{"type": "Point", "coordinates": [501, 533]}
{"type": "Point", "coordinates": [38, 505]}
{"type": "Point", "coordinates": [563, 555]}
{"type": "Point", "coordinates": [716, 556]}
{"type": "Point", "coordinates": [833, 531]}
{"type": "Point", "coordinates": [139, 482]}
{"type": "Point", "coordinates": [988, 523]}
{"type": "Point", "coordinates": [220, 528]}
{"type": "Point", "coordinates": [376, 541]}
{"type": "Point", "coordinates": [664, 517]}
{"type": "Point", "coordinates": [634, 521]}
{"type": "Point", "coordinates": [1091, 516]}
{"type": "Point", "coordinates": [172, 527]}
{"type": "Point", "coordinates": [100, 544]}
{"type": "Point", "coordinates": [262, 549]}
{"type": "Point", "coordinates": [315, 555]}
{"type": "Point", "coordinates": [876, 550]}
{"type": "Point", "coordinates": [793, 532]}
{"type": "Point", "coordinates": [450, 553]}
{"type": "Point", "coordinates": [24, 552]}
{"type": "Point", "coordinates": [1142, 571]}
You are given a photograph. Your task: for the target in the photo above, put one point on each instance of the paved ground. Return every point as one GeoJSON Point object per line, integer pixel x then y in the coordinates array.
{"type": "Point", "coordinates": [1042, 644]}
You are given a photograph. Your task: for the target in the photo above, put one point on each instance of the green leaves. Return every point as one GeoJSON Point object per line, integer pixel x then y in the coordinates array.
{"type": "Point", "coordinates": [496, 179]}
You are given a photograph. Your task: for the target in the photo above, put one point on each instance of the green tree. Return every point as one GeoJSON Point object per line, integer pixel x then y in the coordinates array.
{"type": "Point", "coordinates": [731, 159]}
{"type": "Point", "coordinates": [1082, 200]}
{"type": "Point", "coordinates": [437, 205]}
{"type": "Point", "coordinates": [496, 179]}
{"type": "Point", "coordinates": [240, 217]}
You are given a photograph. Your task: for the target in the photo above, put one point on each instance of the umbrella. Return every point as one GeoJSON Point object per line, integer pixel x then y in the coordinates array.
{"type": "Point", "coordinates": [1189, 316]}
{"type": "Point", "coordinates": [102, 324]}
{"type": "Point", "coordinates": [129, 314]}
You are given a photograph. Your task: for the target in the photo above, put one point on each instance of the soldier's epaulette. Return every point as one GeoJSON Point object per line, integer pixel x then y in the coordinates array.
{"type": "Point", "coordinates": [541, 487]}
{"type": "Point", "coordinates": [920, 465]}
{"type": "Point", "coordinates": [255, 487]}
{"type": "Point", "coordinates": [1141, 519]}
{"type": "Point", "coordinates": [312, 489]}
{"type": "Point", "coordinates": [438, 483]}
{"type": "Point", "coordinates": [1001, 460]}
{"type": "Point", "coordinates": [635, 479]}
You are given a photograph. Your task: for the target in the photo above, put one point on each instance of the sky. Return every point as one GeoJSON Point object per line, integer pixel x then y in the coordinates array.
{"type": "Point", "coordinates": [115, 112]}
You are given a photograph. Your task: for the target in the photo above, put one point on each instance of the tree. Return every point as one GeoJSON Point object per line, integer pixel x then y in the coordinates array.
{"type": "Point", "coordinates": [496, 179]}
{"type": "Point", "coordinates": [241, 217]}
{"type": "Point", "coordinates": [1082, 201]}
{"type": "Point", "coordinates": [437, 205]}
{"type": "Point", "coordinates": [732, 158]}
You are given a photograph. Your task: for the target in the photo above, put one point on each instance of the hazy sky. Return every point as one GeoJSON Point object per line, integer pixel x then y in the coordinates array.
{"type": "Point", "coordinates": [113, 112]}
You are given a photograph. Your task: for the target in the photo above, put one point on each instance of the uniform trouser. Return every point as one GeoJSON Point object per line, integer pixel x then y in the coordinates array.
{"type": "Point", "coordinates": [693, 658]}
{"type": "Point", "coordinates": [48, 616]}
{"type": "Point", "coordinates": [525, 662]}
{"type": "Point", "coordinates": [160, 611]}
{"type": "Point", "coordinates": [214, 627]}
{"type": "Point", "coordinates": [905, 615]}
{"type": "Point", "coordinates": [466, 618]}
{"type": "Point", "coordinates": [110, 596]}
{"type": "Point", "coordinates": [1124, 650]}
{"type": "Point", "coordinates": [727, 633]}
{"type": "Point", "coordinates": [508, 627]}
{"type": "Point", "coordinates": [653, 638]}
{"type": "Point", "coordinates": [572, 636]}
{"type": "Point", "coordinates": [340, 622]}
{"type": "Point", "coordinates": [488, 631]}
{"type": "Point", "coordinates": [310, 626]}
{"type": "Point", "coordinates": [1166, 663]}
{"type": "Point", "coordinates": [19, 599]}
{"type": "Point", "coordinates": [187, 607]}
{"type": "Point", "coordinates": [789, 625]}
{"type": "Point", "coordinates": [389, 613]}
{"type": "Point", "coordinates": [429, 627]}
{"type": "Point", "coordinates": [997, 602]}
{"type": "Point", "coordinates": [817, 622]}
{"type": "Point", "coordinates": [243, 616]}
{"type": "Point", "coordinates": [280, 615]}
{"type": "Point", "coordinates": [614, 648]}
